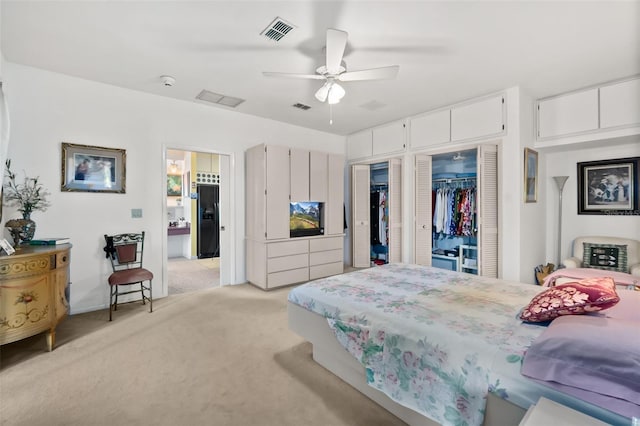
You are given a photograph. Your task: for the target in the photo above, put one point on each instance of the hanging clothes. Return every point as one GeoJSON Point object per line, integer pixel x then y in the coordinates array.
{"type": "Point", "coordinates": [383, 218]}
{"type": "Point", "coordinates": [374, 217]}
{"type": "Point", "coordinates": [454, 211]}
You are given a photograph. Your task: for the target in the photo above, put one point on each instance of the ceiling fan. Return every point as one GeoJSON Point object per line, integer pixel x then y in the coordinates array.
{"type": "Point", "coordinates": [334, 70]}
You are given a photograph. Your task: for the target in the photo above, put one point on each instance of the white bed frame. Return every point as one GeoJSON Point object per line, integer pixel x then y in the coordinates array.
{"type": "Point", "coordinates": [332, 356]}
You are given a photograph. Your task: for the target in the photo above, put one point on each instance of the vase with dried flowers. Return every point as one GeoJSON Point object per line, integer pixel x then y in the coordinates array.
{"type": "Point", "coordinates": [28, 196]}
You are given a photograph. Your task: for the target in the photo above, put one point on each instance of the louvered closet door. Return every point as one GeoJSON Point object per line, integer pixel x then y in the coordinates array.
{"type": "Point", "coordinates": [488, 210]}
{"type": "Point", "coordinates": [395, 211]}
{"type": "Point", "coordinates": [423, 219]}
{"type": "Point", "coordinates": [361, 233]}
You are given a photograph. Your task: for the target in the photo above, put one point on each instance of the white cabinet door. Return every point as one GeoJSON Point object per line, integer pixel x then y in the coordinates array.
{"type": "Point", "coordinates": [359, 145]}
{"type": "Point", "coordinates": [488, 210]}
{"type": "Point", "coordinates": [620, 104]}
{"type": "Point", "coordinates": [395, 211]}
{"type": "Point", "coordinates": [568, 114]}
{"type": "Point", "coordinates": [431, 129]}
{"type": "Point", "coordinates": [360, 223]}
{"type": "Point", "coordinates": [299, 175]}
{"type": "Point", "coordinates": [334, 210]}
{"type": "Point", "coordinates": [478, 119]}
{"type": "Point", "coordinates": [277, 192]}
{"type": "Point", "coordinates": [318, 178]}
{"type": "Point", "coordinates": [423, 220]}
{"type": "Point", "coordinates": [388, 138]}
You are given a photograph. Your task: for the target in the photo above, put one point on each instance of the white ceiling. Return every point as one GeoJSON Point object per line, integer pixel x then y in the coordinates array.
{"type": "Point", "coordinates": [448, 51]}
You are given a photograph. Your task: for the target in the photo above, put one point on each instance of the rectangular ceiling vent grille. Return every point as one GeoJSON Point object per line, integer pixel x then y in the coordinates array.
{"type": "Point", "coordinates": [301, 106]}
{"type": "Point", "coordinates": [277, 29]}
{"type": "Point", "coordinates": [219, 99]}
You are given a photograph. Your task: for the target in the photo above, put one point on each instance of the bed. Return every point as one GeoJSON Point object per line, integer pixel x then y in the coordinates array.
{"type": "Point", "coordinates": [431, 346]}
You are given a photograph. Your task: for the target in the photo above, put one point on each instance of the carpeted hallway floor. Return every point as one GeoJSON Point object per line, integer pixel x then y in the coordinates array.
{"type": "Point", "coordinates": [223, 356]}
{"type": "Point", "coordinates": [187, 275]}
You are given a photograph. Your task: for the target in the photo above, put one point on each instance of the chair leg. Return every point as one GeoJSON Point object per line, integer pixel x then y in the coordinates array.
{"type": "Point", "coordinates": [150, 298]}
{"type": "Point", "coordinates": [115, 304]}
{"type": "Point", "coordinates": [110, 301]}
{"type": "Point", "coordinates": [142, 292]}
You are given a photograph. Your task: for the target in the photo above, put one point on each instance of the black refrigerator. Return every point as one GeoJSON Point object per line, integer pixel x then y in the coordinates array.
{"type": "Point", "coordinates": [208, 221]}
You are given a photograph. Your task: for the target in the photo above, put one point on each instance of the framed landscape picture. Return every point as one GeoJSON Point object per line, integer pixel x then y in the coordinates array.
{"type": "Point", "coordinates": [608, 187]}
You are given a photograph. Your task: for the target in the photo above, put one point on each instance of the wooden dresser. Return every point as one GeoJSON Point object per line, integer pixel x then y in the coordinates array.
{"type": "Point", "coordinates": [33, 292]}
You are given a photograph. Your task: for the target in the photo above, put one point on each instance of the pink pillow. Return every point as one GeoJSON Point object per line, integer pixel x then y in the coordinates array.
{"type": "Point", "coordinates": [574, 298]}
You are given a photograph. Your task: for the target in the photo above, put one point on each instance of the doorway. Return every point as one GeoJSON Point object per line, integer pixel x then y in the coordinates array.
{"type": "Point", "coordinates": [198, 212]}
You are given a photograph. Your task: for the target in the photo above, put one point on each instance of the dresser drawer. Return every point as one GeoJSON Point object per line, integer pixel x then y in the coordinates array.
{"type": "Point", "coordinates": [278, 279]}
{"type": "Point", "coordinates": [287, 248]}
{"type": "Point", "coordinates": [326, 270]}
{"type": "Point", "coordinates": [285, 263]}
{"type": "Point", "coordinates": [322, 244]}
{"type": "Point", "coordinates": [322, 257]}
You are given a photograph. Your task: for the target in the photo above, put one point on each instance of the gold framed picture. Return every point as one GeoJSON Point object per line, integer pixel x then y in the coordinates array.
{"type": "Point", "coordinates": [87, 168]}
{"type": "Point", "coordinates": [530, 175]}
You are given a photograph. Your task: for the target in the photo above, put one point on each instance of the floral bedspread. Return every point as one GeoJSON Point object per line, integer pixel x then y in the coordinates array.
{"type": "Point", "coordinates": [433, 340]}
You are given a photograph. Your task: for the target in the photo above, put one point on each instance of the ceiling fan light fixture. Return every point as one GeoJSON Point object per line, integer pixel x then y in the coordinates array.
{"type": "Point", "coordinates": [336, 93]}
{"type": "Point", "coordinates": [323, 92]}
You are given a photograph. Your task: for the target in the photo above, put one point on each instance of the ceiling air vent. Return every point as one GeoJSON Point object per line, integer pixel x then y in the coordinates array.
{"type": "Point", "coordinates": [301, 106]}
{"type": "Point", "coordinates": [277, 29]}
{"type": "Point", "coordinates": [219, 99]}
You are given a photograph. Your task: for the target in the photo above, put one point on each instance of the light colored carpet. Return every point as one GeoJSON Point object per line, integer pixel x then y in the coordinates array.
{"type": "Point", "coordinates": [187, 275]}
{"type": "Point", "coordinates": [223, 356]}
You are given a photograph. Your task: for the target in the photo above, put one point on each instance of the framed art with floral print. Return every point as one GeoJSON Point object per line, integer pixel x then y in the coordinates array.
{"type": "Point", "coordinates": [608, 187]}
{"type": "Point", "coordinates": [89, 168]}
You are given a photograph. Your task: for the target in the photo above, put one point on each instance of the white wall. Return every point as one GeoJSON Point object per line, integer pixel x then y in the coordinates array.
{"type": "Point", "coordinates": [564, 163]}
{"type": "Point", "coordinates": [48, 108]}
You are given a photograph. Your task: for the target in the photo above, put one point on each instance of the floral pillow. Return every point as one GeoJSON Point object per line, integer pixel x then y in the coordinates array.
{"type": "Point", "coordinates": [574, 298]}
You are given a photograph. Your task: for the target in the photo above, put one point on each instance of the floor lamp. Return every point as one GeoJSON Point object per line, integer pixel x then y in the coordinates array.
{"type": "Point", "coordinates": [560, 181]}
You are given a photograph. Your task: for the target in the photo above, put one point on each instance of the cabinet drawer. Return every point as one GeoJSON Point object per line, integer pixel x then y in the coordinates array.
{"type": "Point", "coordinates": [278, 279]}
{"type": "Point", "coordinates": [329, 269]}
{"type": "Point", "coordinates": [287, 248]}
{"type": "Point", "coordinates": [322, 257]}
{"type": "Point", "coordinates": [284, 263]}
{"type": "Point", "coordinates": [62, 259]}
{"type": "Point", "coordinates": [322, 244]}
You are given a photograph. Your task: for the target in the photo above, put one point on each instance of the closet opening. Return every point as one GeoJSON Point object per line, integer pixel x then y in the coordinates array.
{"type": "Point", "coordinates": [456, 210]}
{"type": "Point", "coordinates": [376, 208]}
{"type": "Point", "coordinates": [455, 219]}
{"type": "Point", "coordinates": [379, 213]}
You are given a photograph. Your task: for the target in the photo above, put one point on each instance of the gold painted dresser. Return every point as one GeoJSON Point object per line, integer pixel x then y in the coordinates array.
{"type": "Point", "coordinates": [33, 292]}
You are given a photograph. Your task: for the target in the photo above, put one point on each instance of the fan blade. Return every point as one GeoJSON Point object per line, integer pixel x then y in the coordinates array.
{"type": "Point", "coordinates": [336, 42]}
{"type": "Point", "coordinates": [371, 74]}
{"type": "Point", "coordinates": [288, 75]}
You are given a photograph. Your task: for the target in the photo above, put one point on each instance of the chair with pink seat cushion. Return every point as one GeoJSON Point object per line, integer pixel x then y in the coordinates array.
{"type": "Point", "coordinates": [125, 253]}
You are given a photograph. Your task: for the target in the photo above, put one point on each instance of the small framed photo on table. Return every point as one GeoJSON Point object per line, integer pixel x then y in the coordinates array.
{"type": "Point", "coordinates": [609, 187]}
{"type": "Point", "coordinates": [6, 246]}
{"type": "Point", "coordinates": [87, 168]}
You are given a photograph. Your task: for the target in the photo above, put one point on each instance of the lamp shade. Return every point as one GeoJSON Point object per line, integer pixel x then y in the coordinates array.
{"type": "Point", "coordinates": [323, 92]}
{"type": "Point", "coordinates": [336, 92]}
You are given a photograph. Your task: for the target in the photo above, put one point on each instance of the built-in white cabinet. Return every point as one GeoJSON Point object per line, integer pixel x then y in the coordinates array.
{"type": "Point", "coordinates": [567, 114]}
{"type": "Point", "coordinates": [605, 112]}
{"type": "Point", "coordinates": [360, 145]}
{"type": "Point", "coordinates": [429, 129]}
{"type": "Point", "coordinates": [318, 176]}
{"type": "Point", "coordinates": [308, 175]}
{"type": "Point", "coordinates": [620, 104]}
{"type": "Point", "coordinates": [299, 174]}
{"type": "Point", "coordinates": [275, 176]}
{"type": "Point", "coordinates": [472, 120]}
{"type": "Point", "coordinates": [276, 185]}
{"type": "Point", "coordinates": [388, 139]}
{"type": "Point", "coordinates": [334, 212]}
{"type": "Point", "coordinates": [477, 119]}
